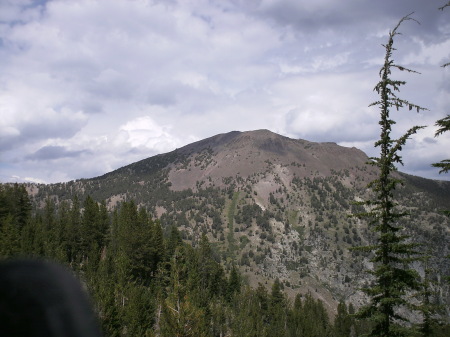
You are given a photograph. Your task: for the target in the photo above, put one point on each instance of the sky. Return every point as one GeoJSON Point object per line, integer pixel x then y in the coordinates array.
{"type": "Point", "coordinates": [88, 86]}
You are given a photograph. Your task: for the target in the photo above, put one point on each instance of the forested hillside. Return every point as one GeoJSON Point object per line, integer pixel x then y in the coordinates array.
{"type": "Point", "coordinates": [145, 281]}
{"type": "Point", "coordinates": [148, 283]}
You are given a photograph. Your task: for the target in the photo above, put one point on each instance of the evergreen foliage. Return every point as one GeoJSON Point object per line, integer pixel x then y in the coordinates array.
{"type": "Point", "coordinates": [443, 125]}
{"type": "Point", "coordinates": [146, 284]}
{"type": "Point", "coordinates": [392, 252]}
{"type": "Point", "coordinates": [343, 322]}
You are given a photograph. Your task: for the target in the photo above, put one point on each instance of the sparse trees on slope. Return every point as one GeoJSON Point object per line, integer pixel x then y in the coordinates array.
{"type": "Point", "coordinates": [392, 253]}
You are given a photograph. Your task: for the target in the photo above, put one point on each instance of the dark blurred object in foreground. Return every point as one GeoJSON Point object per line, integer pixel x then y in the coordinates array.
{"type": "Point", "coordinates": [39, 298]}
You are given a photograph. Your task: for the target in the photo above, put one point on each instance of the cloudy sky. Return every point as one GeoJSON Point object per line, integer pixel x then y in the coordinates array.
{"type": "Point", "coordinates": [88, 86]}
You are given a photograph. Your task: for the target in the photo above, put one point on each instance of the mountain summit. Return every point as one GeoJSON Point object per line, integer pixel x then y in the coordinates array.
{"type": "Point", "coordinates": [252, 152]}
{"type": "Point", "coordinates": [248, 153]}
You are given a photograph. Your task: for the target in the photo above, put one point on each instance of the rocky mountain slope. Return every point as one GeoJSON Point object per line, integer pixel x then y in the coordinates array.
{"type": "Point", "coordinates": [275, 206]}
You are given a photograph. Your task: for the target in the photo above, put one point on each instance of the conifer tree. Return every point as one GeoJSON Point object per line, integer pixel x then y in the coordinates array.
{"type": "Point", "coordinates": [251, 312]}
{"type": "Point", "coordinates": [342, 321]}
{"type": "Point", "coordinates": [23, 205]}
{"type": "Point", "coordinates": [9, 238]}
{"type": "Point", "coordinates": [173, 242]}
{"type": "Point", "coordinates": [15, 212]}
{"type": "Point", "coordinates": [392, 253]}
{"type": "Point", "coordinates": [179, 316]}
{"type": "Point", "coordinates": [295, 317]}
{"type": "Point", "coordinates": [90, 236]}
{"type": "Point", "coordinates": [48, 233]}
{"type": "Point", "coordinates": [234, 283]}
{"type": "Point", "coordinates": [73, 231]}
{"type": "Point", "coordinates": [315, 321]}
{"type": "Point", "coordinates": [443, 125]}
{"type": "Point", "coordinates": [157, 246]}
{"type": "Point", "coordinates": [62, 220]}
{"type": "Point", "coordinates": [277, 311]}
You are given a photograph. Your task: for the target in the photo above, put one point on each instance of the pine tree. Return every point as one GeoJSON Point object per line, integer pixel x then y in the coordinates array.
{"type": "Point", "coordinates": [315, 322]}
{"type": "Point", "coordinates": [277, 311]}
{"type": "Point", "coordinates": [73, 235]}
{"type": "Point", "coordinates": [61, 231]}
{"type": "Point", "coordinates": [90, 230]}
{"type": "Point", "coordinates": [9, 238]}
{"type": "Point", "coordinates": [173, 242]}
{"type": "Point", "coordinates": [179, 316]}
{"type": "Point", "coordinates": [49, 223]}
{"type": "Point", "coordinates": [443, 165]}
{"type": "Point", "coordinates": [15, 212]}
{"type": "Point", "coordinates": [234, 283]}
{"type": "Point", "coordinates": [250, 316]}
{"type": "Point", "coordinates": [157, 246]}
{"type": "Point", "coordinates": [392, 253]}
{"type": "Point", "coordinates": [23, 205]}
{"type": "Point", "coordinates": [342, 321]}
{"type": "Point", "coordinates": [443, 125]}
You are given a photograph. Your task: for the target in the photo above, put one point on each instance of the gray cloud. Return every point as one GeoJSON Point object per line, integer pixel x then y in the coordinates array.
{"type": "Point", "coordinates": [348, 16]}
{"type": "Point", "coordinates": [54, 152]}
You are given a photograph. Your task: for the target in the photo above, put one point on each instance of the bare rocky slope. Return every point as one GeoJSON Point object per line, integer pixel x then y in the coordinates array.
{"type": "Point", "coordinates": [275, 206]}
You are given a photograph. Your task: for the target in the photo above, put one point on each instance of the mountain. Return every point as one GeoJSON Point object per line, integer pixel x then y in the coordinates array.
{"type": "Point", "coordinates": [275, 206]}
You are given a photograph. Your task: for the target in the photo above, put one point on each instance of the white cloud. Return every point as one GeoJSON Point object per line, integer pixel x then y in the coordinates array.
{"type": "Point", "coordinates": [327, 107]}
{"type": "Point", "coordinates": [144, 132]}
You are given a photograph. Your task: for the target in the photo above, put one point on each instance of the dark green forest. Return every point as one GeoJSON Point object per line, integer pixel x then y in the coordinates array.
{"type": "Point", "coordinates": [145, 281]}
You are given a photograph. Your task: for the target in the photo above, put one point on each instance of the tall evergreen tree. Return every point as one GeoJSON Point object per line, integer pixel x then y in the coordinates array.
{"type": "Point", "coordinates": [250, 313]}
{"type": "Point", "coordinates": [443, 125]}
{"type": "Point", "coordinates": [48, 229]}
{"type": "Point", "coordinates": [73, 235]}
{"type": "Point", "coordinates": [9, 238]}
{"type": "Point", "coordinates": [277, 311]}
{"type": "Point", "coordinates": [173, 242]}
{"type": "Point", "coordinates": [234, 283]}
{"type": "Point", "coordinates": [392, 253]}
{"type": "Point", "coordinates": [156, 245]}
{"type": "Point", "coordinates": [23, 205]}
{"type": "Point", "coordinates": [90, 230]}
{"type": "Point", "coordinates": [179, 315]}
{"type": "Point", "coordinates": [342, 322]}
{"type": "Point", "coordinates": [61, 231]}
{"type": "Point", "coordinates": [315, 322]}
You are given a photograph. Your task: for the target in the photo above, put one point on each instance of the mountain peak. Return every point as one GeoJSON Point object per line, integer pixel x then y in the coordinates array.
{"type": "Point", "coordinates": [253, 152]}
